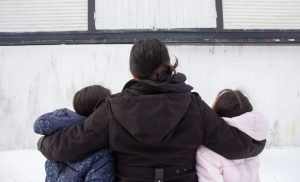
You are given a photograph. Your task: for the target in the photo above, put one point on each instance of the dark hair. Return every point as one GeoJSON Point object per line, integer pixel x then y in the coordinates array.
{"type": "Point", "coordinates": [149, 60]}
{"type": "Point", "coordinates": [231, 103]}
{"type": "Point", "coordinates": [85, 100]}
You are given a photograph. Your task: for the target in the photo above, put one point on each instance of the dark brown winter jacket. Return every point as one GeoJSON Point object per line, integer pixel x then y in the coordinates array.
{"type": "Point", "coordinates": [151, 125]}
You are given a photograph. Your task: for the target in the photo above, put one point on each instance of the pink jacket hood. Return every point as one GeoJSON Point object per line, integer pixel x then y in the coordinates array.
{"type": "Point", "coordinates": [253, 124]}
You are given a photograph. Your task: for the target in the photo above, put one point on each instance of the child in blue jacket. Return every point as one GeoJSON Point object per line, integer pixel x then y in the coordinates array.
{"type": "Point", "coordinates": [97, 167]}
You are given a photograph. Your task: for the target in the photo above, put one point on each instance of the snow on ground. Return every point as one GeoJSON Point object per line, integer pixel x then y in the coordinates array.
{"type": "Point", "coordinates": [280, 165]}
{"type": "Point", "coordinates": [22, 166]}
{"type": "Point", "coordinates": [277, 165]}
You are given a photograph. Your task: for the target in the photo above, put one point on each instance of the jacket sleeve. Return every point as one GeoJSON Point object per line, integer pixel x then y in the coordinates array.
{"type": "Point", "coordinates": [226, 140]}
{"type": "Point", "coordinates": [208, 168]}
{"type": "Point", "coordinates": [78, 141]}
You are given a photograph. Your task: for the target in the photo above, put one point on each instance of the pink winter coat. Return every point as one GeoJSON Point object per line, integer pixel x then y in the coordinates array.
{"type": "Point", "coordinates": [211, 166]}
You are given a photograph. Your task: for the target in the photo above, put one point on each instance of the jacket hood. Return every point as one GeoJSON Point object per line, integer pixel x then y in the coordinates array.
{"type": "Point", "coordinates": [152, 115]}
{"type": "Point", "coordinates": [252, 123]}
{"type": "Point", "coordinates": [150, 118]}
{"type": "Point", "coordinates": [51, 122]}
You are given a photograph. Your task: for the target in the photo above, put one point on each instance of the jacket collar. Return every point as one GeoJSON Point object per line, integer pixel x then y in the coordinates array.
{"type": "Point", "coordinates": [174, 84]}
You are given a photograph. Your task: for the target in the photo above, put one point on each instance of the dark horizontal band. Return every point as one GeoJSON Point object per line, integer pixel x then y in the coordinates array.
{"type": "Point", "coordinates": [202, 36]}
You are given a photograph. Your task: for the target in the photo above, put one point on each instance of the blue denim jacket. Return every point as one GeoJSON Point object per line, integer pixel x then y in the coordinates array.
{"type": "Point", "coordinates": [97, 167]}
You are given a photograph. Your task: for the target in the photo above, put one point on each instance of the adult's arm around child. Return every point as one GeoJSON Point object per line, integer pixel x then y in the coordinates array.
{"type": "Point", "coordinates": [80, 140]}
{"type": "Point", "coordinates": [226, 140]}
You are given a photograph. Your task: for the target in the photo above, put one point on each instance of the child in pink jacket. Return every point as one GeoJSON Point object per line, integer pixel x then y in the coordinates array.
{"type": "Point", "coordinates": [211, 166]}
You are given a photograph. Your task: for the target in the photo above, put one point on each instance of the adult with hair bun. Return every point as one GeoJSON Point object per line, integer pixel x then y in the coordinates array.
{"type": "Point", "coordinates": [153, 126]}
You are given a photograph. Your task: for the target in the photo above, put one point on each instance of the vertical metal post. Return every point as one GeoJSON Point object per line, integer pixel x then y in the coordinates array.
{"type": "Point", "coordinates": [91, 14]}
{"type": "Point", "coordinates": [220, 21]}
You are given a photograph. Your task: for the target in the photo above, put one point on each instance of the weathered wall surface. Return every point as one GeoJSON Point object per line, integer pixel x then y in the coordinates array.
{"type": "Point", "coordinates": [46, 15]}
{"type": "Point", "coordinates": [155, 14]}
{"type": "Point", "coordinates": [261, 14]}
{"type": "Point", "coordinates": [39, 79]}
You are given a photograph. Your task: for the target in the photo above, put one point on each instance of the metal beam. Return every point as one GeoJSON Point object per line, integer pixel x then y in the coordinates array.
{"type": "Point", "coordinates": [91, 15]}
{"type": "Point", "coordinates": [204, 36]}
{"type": "Point", "coordinates": [220, 20]}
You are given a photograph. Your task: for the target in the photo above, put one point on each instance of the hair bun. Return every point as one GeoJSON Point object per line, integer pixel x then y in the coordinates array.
{"type": "Point", "coordinates": [163, 72]}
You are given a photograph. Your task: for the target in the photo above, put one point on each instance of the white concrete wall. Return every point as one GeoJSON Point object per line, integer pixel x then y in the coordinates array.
{"type": "Point", "coordinates": [38, 79]}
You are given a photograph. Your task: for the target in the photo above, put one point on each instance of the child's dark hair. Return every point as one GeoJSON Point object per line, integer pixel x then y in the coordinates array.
{"type": "Point", "coordinates": [85, 100]}
{"type": "Point", "coordinates": [231, 103]}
